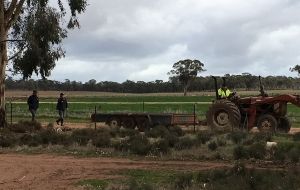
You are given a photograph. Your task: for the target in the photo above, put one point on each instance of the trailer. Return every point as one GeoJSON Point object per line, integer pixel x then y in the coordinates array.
{"type": "Point", "coordinates": [144, 121]}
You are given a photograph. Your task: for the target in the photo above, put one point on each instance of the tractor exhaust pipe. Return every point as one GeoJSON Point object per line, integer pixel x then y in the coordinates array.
{"type": "Point", "coordinates": [216, 87]}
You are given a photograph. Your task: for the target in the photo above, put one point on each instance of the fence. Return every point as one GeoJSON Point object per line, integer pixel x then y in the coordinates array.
{"type": "Point", "coordinates": [80, 111]}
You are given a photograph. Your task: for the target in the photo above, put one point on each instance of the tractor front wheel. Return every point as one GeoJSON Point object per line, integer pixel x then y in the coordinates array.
{"type": "Point", "coordinates": [267, 123]}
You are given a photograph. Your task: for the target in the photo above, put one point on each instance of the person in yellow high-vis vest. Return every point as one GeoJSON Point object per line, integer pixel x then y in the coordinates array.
{"type": "Point", "coordinates": [224, 92]}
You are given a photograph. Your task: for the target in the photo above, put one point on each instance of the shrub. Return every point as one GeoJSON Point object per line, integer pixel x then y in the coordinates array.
{"type": "Point", "coordinates": [294, 154]}
{"type": "Point", "coordinates": [237, 136]}
{"type": "Point", "coordinates": [257, 150]}
{"type": "Point", "coordinates": [128, 132]}
{"type": "Point", "coordinates": [296, 136]}
{"type": "Point", "coordinates": [184, 181]}
{"type": "Point", "coordinates": [101, 140]}
{"type": "Point", "coordinates": [7, 140]}
{"type": "Point", "coordinates": [162, 146]}
{"type": "Point", "coordinates": [240, 152]}
{"type": "Point", "coordinates": [82, 136]}
{"type": "Point", "coordinates": [262, 136]}
{"type": "Point", "coordinates": [177, 131]}
{"type": "Point", "coordinates": [171, 139]}
{"type": "Point", "coordinates": [221, 142]}
{"type": "Point", "coordinates": [212, 146]}
{"type": "Point", "coordinates": [184, 143]}
{"type": "Point", "coordinates": [25, 126]}
{"type": "Point", "coordinates": [30, 140]}
{"type": "Point", "coordinates": [138, 144]}
{"type": "Point", "coordinates": [157, 131]}
{"type": "Point", "coordinates": [279, 154]}
{"type": "Point", "coordinates": [204, 136]}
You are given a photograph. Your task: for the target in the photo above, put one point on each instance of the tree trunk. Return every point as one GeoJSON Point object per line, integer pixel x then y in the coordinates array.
{"type": "Point", "coordinates": [185, 90]}
{"type": "Point", "coordinates": [3, 63]}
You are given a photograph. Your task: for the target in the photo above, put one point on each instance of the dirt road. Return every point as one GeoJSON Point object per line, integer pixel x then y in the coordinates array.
{"type": "Point", "coordinates": [18, 171]}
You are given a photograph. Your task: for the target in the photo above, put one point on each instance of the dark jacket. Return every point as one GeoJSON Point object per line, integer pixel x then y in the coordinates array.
{"type": "Point", "coordinates": [33, 102]}
{"type": "Point", "coordinates": [62, 104]}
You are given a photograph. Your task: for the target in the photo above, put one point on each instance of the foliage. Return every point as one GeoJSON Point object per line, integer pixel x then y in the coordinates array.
{"type": "Point", "coordinates": [185, 142]}
{"type": "Point", "coordinates": [240, 152]}
{"type": "Point", "coordinates": [212, 146]}
{"type": "Point", "coordinates": [157, 131]}
{"type": "Point", "coordinates": [257, 150]}
{"type": "Point", "coordinates": [25, 126]}
{"type": "Point", "coordinates": [186, 71]}
{"type": "Point", "coordinates": [296, 136]}
{"type": "Point", "coordinates": [204, 136]}
{"type": "Point", "coordinates": [237, 136]}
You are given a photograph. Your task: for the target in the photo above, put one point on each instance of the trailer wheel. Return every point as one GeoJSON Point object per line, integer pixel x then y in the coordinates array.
{"type": "Point", "coordinates": [223, 115]}
{"type": "Point", "coordinates": [114, 122]}
{"type": "Point", "coordinates": [267, 123]}
{"type": "Point", "coordinates": [143, 124]}
{"type": "Point", "coordinates": [284, 125]}
{"type": "Point", "coordinates": [128, 123]}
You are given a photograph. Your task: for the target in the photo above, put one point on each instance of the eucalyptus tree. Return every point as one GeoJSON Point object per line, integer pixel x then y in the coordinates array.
{"type": "Point", "coordinates": [186, 71]}
{"type": "Point", "coordinates": [31, 34]}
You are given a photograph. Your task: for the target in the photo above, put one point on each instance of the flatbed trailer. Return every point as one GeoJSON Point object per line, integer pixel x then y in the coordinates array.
{"type": "Point", "coordinates": [144, 121]}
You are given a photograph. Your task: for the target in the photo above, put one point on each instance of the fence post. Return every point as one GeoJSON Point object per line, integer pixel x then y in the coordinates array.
{"type": "Point", "coordinates": [11, 112]}
{"type": "Point", "coordinates": [95, 117]}
{"type": "Point", "coordinates": [194, 117]}
{"type": "Point", "coordinates": [143, 106]}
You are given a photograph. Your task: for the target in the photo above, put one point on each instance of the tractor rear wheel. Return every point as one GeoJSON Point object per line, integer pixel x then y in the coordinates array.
{"type": "Point", "coordinates": [223, 115]}
{"type": "Point", "coordinates": [284, 125]}
{"type": "Point", "coordinates": [128, 123]}
{"type": "Point", "coordinates": [267, 123]}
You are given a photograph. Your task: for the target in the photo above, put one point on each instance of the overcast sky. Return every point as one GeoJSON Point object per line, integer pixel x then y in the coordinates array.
{"type": "Point", "coordinates": [142, 39]}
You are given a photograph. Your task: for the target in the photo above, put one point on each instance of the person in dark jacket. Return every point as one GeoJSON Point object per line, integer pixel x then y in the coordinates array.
{"type": "Point", "coordinates": [33, 104]}
{"type": "Point", "coordinates": [61, 106]}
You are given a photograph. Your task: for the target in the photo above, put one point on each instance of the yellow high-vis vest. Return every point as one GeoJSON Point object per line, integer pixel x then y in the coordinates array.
{"type": "Point", "coordinates": [224, 94]}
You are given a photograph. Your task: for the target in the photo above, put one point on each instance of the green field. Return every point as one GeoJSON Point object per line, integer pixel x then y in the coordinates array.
{"type": "Point", "coordinates": [80, 108]}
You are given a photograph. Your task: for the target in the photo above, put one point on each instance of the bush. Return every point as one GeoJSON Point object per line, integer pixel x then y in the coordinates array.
{"type": "Point", "coordinates": [30, 140]}
{"type": "Point", "coordinates": [128, 132]}
{"type": "Point", "coordinates": [157, 131]}
{"type": "Point", "coordinates": [184, 143]}
{"type": "Point", "coordinates": [25, 126]}
{"type": "Point", "coordinates": [262, 136]}
{"type": "Point", "coordinates": [171, 139]}
{"type": "Point", "coordinates": [82, 136]}
{"type": "Point", "coordinates": [138, 144]}
{"type": "Point", "coordinates": [7, 140]}
{"type": "Point", "coordinates": [257, 150]}
{"type": "Point", "coordinates": [176, 130]}
{"type": "Point", "coordinates": [162, 146]}
{"type": "Point", "coordinates": [237, 136]}
{"type": "Point", "coordinates": [221, 142]}
{"type": "Point", "coordinates": [212, 146]}
{"type": "Point", "coordinates": [184, 181]}
{"type": "Point", "coordinates": [240, 152]}
{"type": "Point", "coordinates": [204, 136]}
{"type": "Point", "coordinates": [296, 136]}
{"type": "Point", "coordinates": [294, 154]}
{"type": "Point", "coordinates": [101, 140]}
{"type": "Point", "coordinates": [52, 137]}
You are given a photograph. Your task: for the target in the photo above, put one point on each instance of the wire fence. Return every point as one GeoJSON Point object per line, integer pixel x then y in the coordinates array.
{"type": "Point", "coordinates": [79, 112]}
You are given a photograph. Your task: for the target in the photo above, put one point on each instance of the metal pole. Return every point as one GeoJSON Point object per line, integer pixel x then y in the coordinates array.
{"type": "Point", "coordinates": [143, 106]}
{"type": "Point", "coordinates": [11, 112]}
{"type": "Point", "coordinates": [194, 117]}
{"type": "Point", "coordinates": [95, 117]}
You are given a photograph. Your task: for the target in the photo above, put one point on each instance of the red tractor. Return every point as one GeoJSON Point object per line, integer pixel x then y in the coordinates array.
{"type": "Point", "coordinates": [265, 112]}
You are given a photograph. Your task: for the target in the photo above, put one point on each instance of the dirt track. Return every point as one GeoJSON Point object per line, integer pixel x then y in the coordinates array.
{"type": "Point", "coordinates": [62, 172]}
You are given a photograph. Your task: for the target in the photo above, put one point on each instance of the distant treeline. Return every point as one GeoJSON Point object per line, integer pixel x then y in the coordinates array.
{"type": "Point", "coordinates": [241, 82]}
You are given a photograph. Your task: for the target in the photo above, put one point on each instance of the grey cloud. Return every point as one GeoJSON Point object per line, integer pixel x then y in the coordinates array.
{"type": "Point", "coordinates": [141, 38]}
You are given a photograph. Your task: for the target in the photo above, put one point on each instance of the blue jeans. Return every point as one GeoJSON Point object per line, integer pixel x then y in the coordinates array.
{"type": "Point", "coordinates": [61, 114]}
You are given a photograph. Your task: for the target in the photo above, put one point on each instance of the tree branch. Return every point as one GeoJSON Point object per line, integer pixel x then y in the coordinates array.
{"type": "Point", "coordinates": [12, 41]}
{"type": "Point", "coordinates": [10, 9]}
{"type": "Point", "coordinates": [15, 15]}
